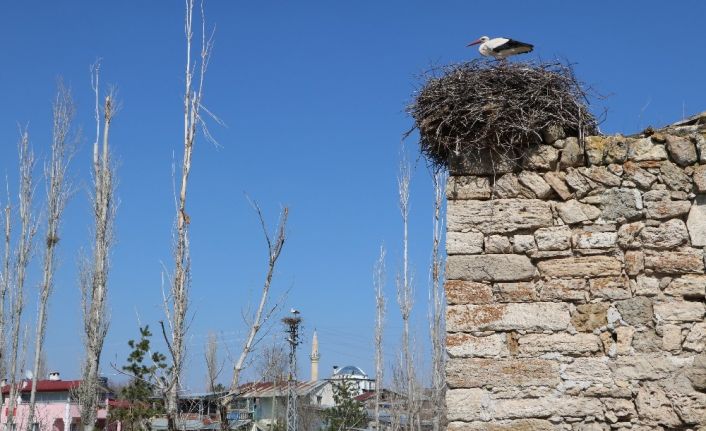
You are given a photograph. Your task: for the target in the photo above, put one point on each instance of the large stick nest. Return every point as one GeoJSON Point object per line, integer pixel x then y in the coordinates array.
{"type": "Point", "coordinates": [480, 107]}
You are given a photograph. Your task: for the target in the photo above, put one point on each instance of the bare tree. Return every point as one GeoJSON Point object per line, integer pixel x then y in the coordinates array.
{"type": "Point", "coordinates": [379, 285]}
{"type": "Point", "coordinates": [436, 310]}
{"type": "Point", "coordinates": [5, 284]}
{"type": "Point", "coordinates": [57, 195]}
{"type": "Point", "coordinates": [94, 274]}
{"type": "Point", "coordinates": [178, 300]}
{"type": "Point", "coordinates": [405, 294]}
{"type": "Point", "coordinates": [272, 365]}
{"type": "Point", "coordinates": [213, 365]}
{"type": "Point", "coordinates": [23, 253]}
{"type": "Point", "coordinates": [274, 248]}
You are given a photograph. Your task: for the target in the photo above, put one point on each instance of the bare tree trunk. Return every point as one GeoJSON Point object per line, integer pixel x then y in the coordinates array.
{"type": "Point", "coordinates": [261, 315]}
{"type": "Point", "coordinates": [94, 275]}
{"type": "Point", "coordinates": [379, 285]}
{"type": "Point", "coordinates": [436, 319]}
{"type": "Point", "coordinates": [57, 195]}
{"type": "Point", "coordinates": [179, 294]}
{"type": "Point", "coordinates": [405, 293]}
{"type": "Point", "coordinates": [23, 253]}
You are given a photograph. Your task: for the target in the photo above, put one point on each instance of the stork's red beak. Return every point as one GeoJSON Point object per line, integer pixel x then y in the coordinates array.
{"type": "Point", "coordinates": [475, 42]}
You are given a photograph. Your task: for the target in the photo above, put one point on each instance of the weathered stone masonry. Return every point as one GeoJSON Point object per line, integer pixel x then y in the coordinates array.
{"type": "Point", "coordinates": [576, 286]}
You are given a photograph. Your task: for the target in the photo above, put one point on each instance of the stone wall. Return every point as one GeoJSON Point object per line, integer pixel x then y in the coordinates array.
{"type": "Point", "coordinates": [576, 286]}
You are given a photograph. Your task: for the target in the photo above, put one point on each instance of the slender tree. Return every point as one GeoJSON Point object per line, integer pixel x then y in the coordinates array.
{"type": "Point", "coordinates": [57, 195]}
{"type": "Point", "coordinates": [379, 285]}
{"type": "Point", "coordinates": [5, 283]}
{"type": "Point", "coordinates": [23, 253]}
{"type": "Point", "coordinates": [178, 300]}
{"type": "Point", "coordinates": [436, 310]}
{"type": "Point", "coordinates": [262, 314]}
{"type": "Point", "coordinates": [94, 274]}
{"type": "Point", "coordinates": [213, 365]}
{"type": "Point", "coordinates": [405, 294]}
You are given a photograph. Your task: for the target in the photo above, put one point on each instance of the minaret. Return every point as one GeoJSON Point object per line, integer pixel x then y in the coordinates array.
{"type": "Point", "coordinates": [314, 358]}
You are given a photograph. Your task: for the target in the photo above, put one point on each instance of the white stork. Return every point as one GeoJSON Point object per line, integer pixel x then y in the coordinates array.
{"type": "Point", "coordinates": [501, 47]}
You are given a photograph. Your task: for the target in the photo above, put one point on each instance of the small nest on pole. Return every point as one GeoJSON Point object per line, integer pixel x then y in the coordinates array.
{"type": "Point", "coordinates": [496, 108]}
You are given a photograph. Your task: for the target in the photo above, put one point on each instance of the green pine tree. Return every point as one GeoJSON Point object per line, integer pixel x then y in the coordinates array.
{"type": "Point", "coordinates": [140, 404]}
{"type": "Point", "coordinates": [348, 412]}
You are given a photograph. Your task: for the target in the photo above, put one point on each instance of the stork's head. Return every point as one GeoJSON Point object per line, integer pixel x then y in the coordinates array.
{"type": "Point", "coordinates": [481, 39]}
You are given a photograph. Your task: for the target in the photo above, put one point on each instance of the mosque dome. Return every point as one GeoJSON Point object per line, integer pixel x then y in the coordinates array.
{"type": "Point", "coordinates": [352, 371]}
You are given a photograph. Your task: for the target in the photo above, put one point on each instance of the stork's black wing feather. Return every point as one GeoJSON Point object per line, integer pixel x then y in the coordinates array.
{"type": "Point", "coordinates": [510, 44]}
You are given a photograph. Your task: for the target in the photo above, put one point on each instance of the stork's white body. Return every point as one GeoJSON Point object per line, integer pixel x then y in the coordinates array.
{"type": "Point", "coordinates": [500, 47]}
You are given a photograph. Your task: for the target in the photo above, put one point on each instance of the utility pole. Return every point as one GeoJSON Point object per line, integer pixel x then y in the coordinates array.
{"type": "Point", "coordinates": [292, 323]}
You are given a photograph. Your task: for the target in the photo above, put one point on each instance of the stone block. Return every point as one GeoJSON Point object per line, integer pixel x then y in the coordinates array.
{"type": "Point", "coordinates": [508, 186]}
{"type": "Point", "coordinates": [671, 337]}
{"type": "Point", "coordinates": [652, 404]}
{"type": "Point", "coordinates": [499, 216]}
{"type": "Point", "coordinates": [682, 150]}
{"type": "Point", "coordinates": [541, 157]}
{"type": "Point", "coordinates": [537, 316]}
{"type": "Point", "coordinates": [602, 175]}
{"type": "Point", "coordinates": [481, 164]}
{"type": "Point", "coordinates": [467, 292]}
{"type": "Point", "coordinates": [674, 177]}
{"type": "Point", "coordinates": [686, 261]}
{"type": "Point", "coordinates": [552, 133]}
{"type": "Point", "coordinates": [644, 149]}
{"type": "Point", "coordinates": [621, 204]}
{"type": "Point", "coordinates": [584, 372]}
{"type": "Point", "coordinates": [468, 187]}
{"type": "Point", "coordinates": [696, 338]}
{"type": "Point", "coordinates": [634, 262]}
{"type": "Point", "coordinates": [523, 243]}
{"type": "Point", "coordinates": [595, 239]}
{"type": "Point", "coordinates": [534, 182]}
{"type": "Point", "coordinates": [699, 177]}
{"type": "Point", "coordinates": [558, 184]}
{"type": "Point", "coordinates": [572, 154]}
{"type": "Point", "coordinates": [659, 205]}
{"type": "Point", "coordinates": [524, 291]}
{"type": "Point", "coordinates": [605, 149]}
{"type": "Point", "coordinates": [629, 235]}
{"type": "Point", "coordinates": [611, 288]}
{"type": "Point", "coordinates": [564, 343]}
{"type": "Point", "coordinates": [573, 211]}
{"type": "Point", "coordinates": [687, 286]}
{"type": "Point", "coordinates": [495, 244]}
{"type": "Point", "coordinates": [647, 367]}
{"type": "Point", "coordinates": [679, 311]}
{"type": "Point", "coordinates": [462, 345]}
{"type": "Point", "coordinates": [483, 372]}
{"type": "Point", "coordinates": [553, 238]}
{"type": "Point", "coordinates": [636, 311]}
{"type": "Point", "coordinates": [587, 266]}
{"type": "Point", "coordinates": [667, 235]}
{"type": "Point", "coordinates": [489, 267]}
{"type": "Point", "coordinates": [464, 242]}
{"type": "Point", "coordinates": [518, 425]}
{"type": "Point", "coordinates": [639, 176]}
{"type": "Point", "coordinates": [646, 286]}
{"type": "Point", "coordinates": [696, 223]}
{"type": "Point", "coordinates": [571, 290]}
{"type": "Point", "coordinates": [580, 184]}
{"type": "Point", "coordinates": [589, 317]}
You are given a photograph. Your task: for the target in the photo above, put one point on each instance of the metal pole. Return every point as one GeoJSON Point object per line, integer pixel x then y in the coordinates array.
{"type": "Point", "coordinates": [292, 324]}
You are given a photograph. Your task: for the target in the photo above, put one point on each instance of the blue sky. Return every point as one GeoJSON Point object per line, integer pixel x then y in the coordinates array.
{"type": "Point", "coordinates": [313, 96]}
